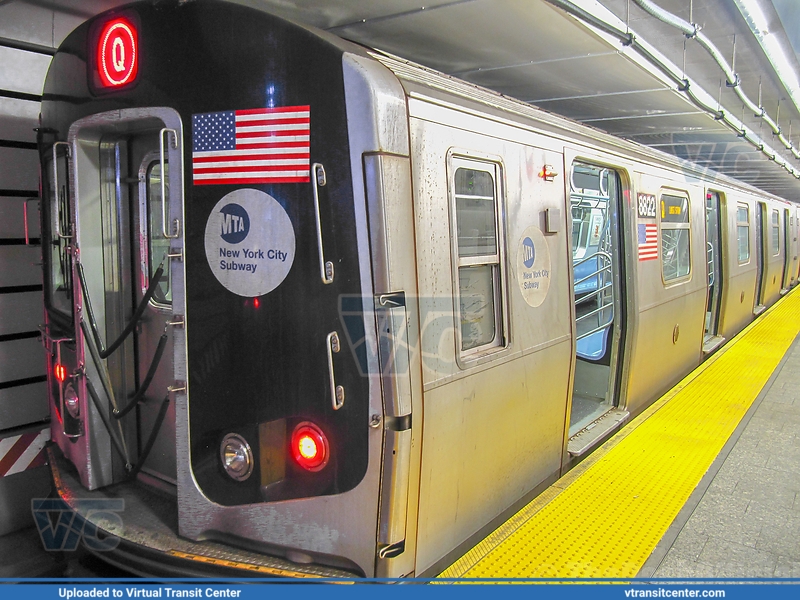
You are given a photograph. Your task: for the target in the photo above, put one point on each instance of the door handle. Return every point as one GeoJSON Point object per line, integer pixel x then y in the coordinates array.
{"type": "Point", "coordinates": [318, 180]}
{"type": "Point", "coordinates": [337, 391]}
{"type": "Point", "coordinates": [164, 183]}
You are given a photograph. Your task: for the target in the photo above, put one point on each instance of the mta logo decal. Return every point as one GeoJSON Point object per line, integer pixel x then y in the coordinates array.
{"type": "Point", "coordinates": [235, 223]}
{"type": "Point", "coordinates": [528, 252]}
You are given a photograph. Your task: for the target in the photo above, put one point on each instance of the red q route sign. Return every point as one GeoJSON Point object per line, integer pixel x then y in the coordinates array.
{"type": "Point", "coordinates": [117, 53]}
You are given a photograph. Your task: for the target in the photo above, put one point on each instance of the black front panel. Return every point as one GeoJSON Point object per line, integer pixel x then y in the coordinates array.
{"type": "Point", "coordinates": [258, 365]}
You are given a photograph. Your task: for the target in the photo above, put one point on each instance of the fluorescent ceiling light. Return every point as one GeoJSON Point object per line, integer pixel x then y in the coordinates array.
{"type": "Point", "coordinates": [752, 13]}
{"type": "Point", "coordinates": [785, 68]}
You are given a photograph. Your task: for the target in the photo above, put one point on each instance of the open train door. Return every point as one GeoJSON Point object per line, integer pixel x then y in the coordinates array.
{"type": "Point", "coordinates": [790, 251]}
{"type": "Point", "coordinates": [121, 228]}
{"type": "Point", "coordinates": [711, 339]}
{"type": "Point", "coordinates": [758, 305]}
{"type": "Point", "coordinates": [598, 262]}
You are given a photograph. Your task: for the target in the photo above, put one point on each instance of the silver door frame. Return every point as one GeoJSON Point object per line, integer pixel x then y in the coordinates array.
{"type": "Point", "coordinates": [82, 135]}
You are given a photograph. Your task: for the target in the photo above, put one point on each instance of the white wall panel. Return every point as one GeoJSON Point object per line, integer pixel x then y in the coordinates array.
{"type": "Point", "coordinates": [23, 404]}
{"type": "Point", "coordinates": [26, 22]}
{"type": "Point", "coordinates": [22, 71]}
{"type": "Point", "coordinates": [19, 265]}
{"type": "Point", "coordinates": [12, 218]}
{"type": "Point", "coordinates": [20, 313]}
{"type": "Point", "coordinates": [40, 25]}
{"type": "Point", "coordinates": [17, 119]}
{"type": "Point", "coordinates": [21, 359]}
{"type": "Point", "coordinates": [19, 169]}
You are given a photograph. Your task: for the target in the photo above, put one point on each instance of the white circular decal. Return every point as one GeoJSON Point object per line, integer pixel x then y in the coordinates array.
{"type": "Point", "coordinates": [249, 242]}
{"type": "Point", "coordinates": [533, 266]}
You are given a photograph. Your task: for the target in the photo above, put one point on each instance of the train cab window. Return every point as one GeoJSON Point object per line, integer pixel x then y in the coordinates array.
{"type": "Point", "coordinates": [743, 232]}
{"type": "Point", "coordinates": [58, 259]}
{"type": "Point", "coordinates": [479, 255]}
{"type": "Point", "coordinates": [675, 237]}
{"type": "Point", "coordinates": [776, 233]}
{"type": "Point", "coordinates": [158, 245]}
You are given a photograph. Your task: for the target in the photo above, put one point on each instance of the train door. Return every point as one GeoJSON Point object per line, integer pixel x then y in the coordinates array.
{"type": "Point", "coordinates": [788, 251]}
{"type": "Point", "coordinates": [711, 338]}
{"type": "Point", "coordinates": [795, 213]}
{"type": "Point", "coordinates": [760, 258]}
{"type": "Point", "coordinates": [149, 254]}
{"type": "Point", "coordinates": [124, 188]}
{"type": "Point", "coordinates": [597, 255]}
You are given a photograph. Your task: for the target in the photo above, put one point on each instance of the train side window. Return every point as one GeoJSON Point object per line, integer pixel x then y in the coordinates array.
{"type": "Point", "coordinates": [776, 233]}
{"type": "Point", "coordinates": [743, 232]}
{"type": "Point", "coordinates": [675, 237]}
{"type": "Point", "coordinates": [158, 245]}
{"type": "Point", "coordinates": [479, 255]}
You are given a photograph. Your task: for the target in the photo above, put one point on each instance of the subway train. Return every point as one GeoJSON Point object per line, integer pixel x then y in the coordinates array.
{"type": "Point", "coordinates": [315, 311]}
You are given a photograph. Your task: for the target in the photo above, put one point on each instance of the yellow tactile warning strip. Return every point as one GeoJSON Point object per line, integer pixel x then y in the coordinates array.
{"type": "Point", "coordinates": [605, 517]}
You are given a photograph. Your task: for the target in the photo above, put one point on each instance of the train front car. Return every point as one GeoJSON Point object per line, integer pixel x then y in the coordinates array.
{"type": "Point", "coordinates": [209, 295]}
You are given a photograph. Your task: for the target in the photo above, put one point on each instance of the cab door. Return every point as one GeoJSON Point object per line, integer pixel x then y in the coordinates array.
{"type": "Point", "coordinates": [150, 272]}
{"type": "Point", "coordinates": [127, 175]}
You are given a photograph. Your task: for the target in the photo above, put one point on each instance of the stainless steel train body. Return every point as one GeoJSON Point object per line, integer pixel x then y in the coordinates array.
{"type": "Point", "coordinates": [354, 334]}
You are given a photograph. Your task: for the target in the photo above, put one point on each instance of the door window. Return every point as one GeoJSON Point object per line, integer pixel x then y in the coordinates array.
{"type": "Point", "coordinates": [743, 232]}
{"type": "Point", "coordinates": [479, 255]}
{"type": "Point", "coordinates": [776, 233]}
{"type": "Point", "coordinates": [158, 245]}
{"type": "Point", "coordinates": [675, 237]}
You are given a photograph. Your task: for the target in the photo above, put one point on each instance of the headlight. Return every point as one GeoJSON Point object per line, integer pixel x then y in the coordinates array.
{"type": "Point", "coordinates": [236, 456]}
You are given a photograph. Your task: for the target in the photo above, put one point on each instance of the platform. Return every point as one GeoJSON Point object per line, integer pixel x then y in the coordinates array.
{"type": "Point", "coordinates": [703, 484]}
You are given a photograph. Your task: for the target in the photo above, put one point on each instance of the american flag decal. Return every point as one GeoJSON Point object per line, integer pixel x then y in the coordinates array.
{"type": "Point", "coordinates": [648, 241]}
{"type": "Point", "coordinates": [263, 145]}
{"type": "Point", "coordinates": [22, 452]}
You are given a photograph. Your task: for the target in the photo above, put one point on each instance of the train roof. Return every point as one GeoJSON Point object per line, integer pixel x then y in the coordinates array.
{"type": "Point", "coordinates": [421, 81]}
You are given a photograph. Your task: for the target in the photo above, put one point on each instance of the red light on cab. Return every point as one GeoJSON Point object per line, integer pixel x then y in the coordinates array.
{"type": "Point", "coordinates": [61, 372]}
{"type": "Point", "coordinates": [117, 53]}
{"type": "Point", "coordinates": [548, 173]}
{"type": "Point", "coordinates": [310, 447]}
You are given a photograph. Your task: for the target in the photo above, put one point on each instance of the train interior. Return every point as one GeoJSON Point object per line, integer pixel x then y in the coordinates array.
{"type": "Point", "coordinates": [598, 293]}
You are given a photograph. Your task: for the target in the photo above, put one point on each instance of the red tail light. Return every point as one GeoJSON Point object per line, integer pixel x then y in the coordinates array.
{"type": "Point", "coordinates": [61, 372]}
{"type": "Point", "coordinates": [310, 447]}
